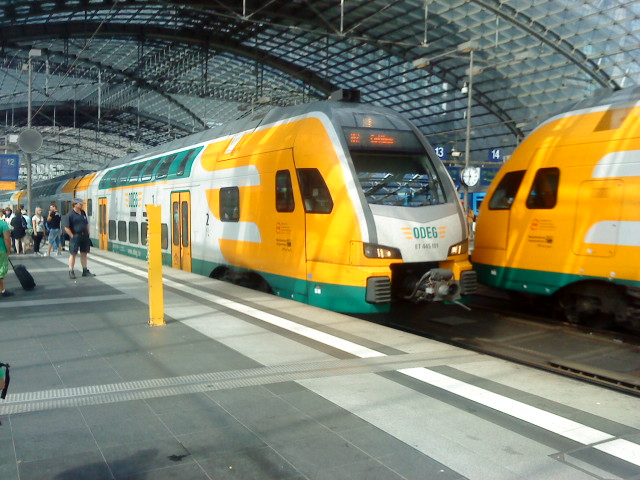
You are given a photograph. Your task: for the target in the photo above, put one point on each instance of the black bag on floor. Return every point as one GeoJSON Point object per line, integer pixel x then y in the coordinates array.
{"type": "Point", "coordinates": [26, 279]}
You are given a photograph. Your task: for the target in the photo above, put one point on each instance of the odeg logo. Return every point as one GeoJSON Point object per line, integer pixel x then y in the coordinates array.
{"type": "Point", "coordinates": [425, 232]}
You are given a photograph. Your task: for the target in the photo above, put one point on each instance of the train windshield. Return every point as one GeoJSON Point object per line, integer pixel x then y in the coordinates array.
{"type": "Point", "coordinates": [392, 166]}
{"type": "Point", "coordinates": [398, 179]}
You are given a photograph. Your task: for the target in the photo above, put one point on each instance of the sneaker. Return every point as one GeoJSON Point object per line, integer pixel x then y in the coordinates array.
{"type": "Point", "coordinates": [72, 274]}
{"type": "Point", "coordinates": [6, 293]}
{"type": "Point", "coordinates": [87, 273]}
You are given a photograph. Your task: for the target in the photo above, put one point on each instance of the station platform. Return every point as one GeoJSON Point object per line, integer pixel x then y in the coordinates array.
{"type": "Point", "coordinates": [243, 385]}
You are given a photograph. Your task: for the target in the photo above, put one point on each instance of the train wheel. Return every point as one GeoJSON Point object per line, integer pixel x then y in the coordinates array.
{"type": "Point", "coordinates": [594, 304]}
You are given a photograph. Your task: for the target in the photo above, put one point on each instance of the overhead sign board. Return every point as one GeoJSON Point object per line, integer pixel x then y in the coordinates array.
{"type": "Point", "coordinates": [9, 168]}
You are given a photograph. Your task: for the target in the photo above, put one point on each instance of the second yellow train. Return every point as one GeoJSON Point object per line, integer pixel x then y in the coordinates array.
{"type": "Point", "coordinates": [562, 217]}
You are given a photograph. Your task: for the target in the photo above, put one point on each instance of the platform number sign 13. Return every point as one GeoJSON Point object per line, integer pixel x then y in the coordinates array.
{"type": "Point", "coordinates": [441, 152]}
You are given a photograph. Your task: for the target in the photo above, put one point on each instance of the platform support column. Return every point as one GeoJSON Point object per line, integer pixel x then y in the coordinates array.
{"type": "Point", "coordinates": [154, 243]}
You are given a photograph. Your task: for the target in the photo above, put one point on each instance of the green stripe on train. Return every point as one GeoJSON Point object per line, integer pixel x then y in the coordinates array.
{"type": "Point", "coordinates": [535, 281]}
{"type": "Point", "coordinates": [329, 296]}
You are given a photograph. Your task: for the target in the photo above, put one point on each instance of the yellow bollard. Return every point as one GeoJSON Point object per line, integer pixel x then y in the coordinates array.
{"type": "Point", "coordinates": [154, 243]}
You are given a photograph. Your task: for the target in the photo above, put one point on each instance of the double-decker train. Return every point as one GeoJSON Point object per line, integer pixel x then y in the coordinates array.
{"type": "Point", "coordinates": [562, 217]}
{"type": "Point", "coordinates": [337, 204]}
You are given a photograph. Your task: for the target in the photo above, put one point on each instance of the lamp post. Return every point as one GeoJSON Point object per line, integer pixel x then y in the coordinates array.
{"type": "Point", "coordinates": [467, 143]}
{"type": "Point", "coordinates": [34, 52]}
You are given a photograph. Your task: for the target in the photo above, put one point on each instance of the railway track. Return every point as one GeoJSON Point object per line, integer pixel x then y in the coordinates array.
{"type": "Point", "coordinates": [509, 331]}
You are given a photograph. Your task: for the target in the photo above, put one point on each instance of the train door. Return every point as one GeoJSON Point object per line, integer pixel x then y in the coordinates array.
{"type": "Point", "coordinates": [103, 222]}
{"type": "Point", "coordinates": [496, 235]}
{"type": "Point", "coordinates": [181, 230]}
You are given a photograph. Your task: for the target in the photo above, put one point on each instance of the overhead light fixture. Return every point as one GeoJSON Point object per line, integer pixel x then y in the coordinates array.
{"type": "Point", "coordinates": [420, 62]}
{"type": "Point", "coordinates": [468, 46]}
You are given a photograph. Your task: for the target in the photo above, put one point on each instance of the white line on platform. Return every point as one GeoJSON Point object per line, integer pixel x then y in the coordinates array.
{"type": "Point", "coordinates": [623, 449]}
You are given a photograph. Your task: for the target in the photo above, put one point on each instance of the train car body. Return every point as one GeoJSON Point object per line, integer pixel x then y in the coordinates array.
{"type": "Point", "coordinates": [562, 217]}
{"type": "Point", "coordinates": [339, 205]}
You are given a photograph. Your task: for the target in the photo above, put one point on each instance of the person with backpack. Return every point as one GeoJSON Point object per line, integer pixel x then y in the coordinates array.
{"type": "Point", "coordinates": [19, 232]}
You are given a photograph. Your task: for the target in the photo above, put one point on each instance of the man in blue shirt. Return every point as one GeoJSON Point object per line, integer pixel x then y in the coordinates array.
{"type": "Point", "coordinates": [78, 230]}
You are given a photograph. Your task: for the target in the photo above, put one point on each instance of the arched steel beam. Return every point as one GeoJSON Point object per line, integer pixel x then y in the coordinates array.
{"type": "Point", "coordinates": [550, 39]}
{"type": "Point", "coordinates": [15, 34]}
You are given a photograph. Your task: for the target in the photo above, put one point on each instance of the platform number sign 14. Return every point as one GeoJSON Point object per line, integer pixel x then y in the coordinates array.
{"type": "Point", "coordinates": [495, 155]}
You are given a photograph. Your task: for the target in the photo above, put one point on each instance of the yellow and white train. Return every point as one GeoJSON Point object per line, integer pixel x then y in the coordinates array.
{"type": "Point", "coordinates": [562, 217]}
{"type": "Point", "coordinates": [339, 205]}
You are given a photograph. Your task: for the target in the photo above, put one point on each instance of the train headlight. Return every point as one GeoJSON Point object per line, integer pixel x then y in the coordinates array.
{"type": "Point", "coordinates": [380, 251]}
{"type": "Point", "coordinates": [459, 248]}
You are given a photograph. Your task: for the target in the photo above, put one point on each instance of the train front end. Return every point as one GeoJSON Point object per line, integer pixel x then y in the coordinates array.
{"type": "Point", "coordinates": [412, 222]}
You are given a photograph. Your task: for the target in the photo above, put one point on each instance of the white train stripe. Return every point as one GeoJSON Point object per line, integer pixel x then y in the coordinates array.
{"type": "Point", "coordinates": [613, 232]}
{"type": "Point", "coordinates": [551, 422]}
{"type": "Point", "coordinates": [618, 164]}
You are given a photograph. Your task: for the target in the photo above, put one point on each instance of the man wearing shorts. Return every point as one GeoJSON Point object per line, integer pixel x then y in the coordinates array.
{"type": "Point", "coordinates": [5, 248]}
{"type": "Point", "coordinates": [78, 230]}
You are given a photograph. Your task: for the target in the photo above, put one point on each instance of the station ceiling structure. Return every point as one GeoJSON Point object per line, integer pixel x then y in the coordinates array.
{"type": "Point", "coordinates": [110, 77]}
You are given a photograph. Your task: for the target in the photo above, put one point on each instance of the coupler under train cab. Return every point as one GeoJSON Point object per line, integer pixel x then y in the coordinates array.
{"type": "Point", "coordinates": [437, 284]}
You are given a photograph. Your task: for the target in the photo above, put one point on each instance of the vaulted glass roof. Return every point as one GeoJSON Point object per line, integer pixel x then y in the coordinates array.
{"type": "Point", "coordinates": [116, 76]}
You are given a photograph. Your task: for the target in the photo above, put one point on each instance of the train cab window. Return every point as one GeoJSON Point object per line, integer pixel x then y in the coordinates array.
{"type": "Point", "coordinates": [506, 191]}
{"type": "Point", "coordinates": [133, 232]}
{"type": "Point", "coordinates": [144, 229]}
{"type": "Point", "coordinates": [230, 204]}
{"type": "Point", "coordinates": [165, 164]}
{"type": "Point", "coordinates": [164, 236]}
{"type": "Point", "coordinates": [544, 190]}
{"type": "Point", "coordinates": [284, 192]}
{"type": "Point", "coordinates": [112, 229]}
{"type": "Point", "coordinates": [89, 207]}
{"type": "Point", "coordinates": [398, 179]}
{"type": "Point", "coordinates": [122, 231]}
{"type": "Point", "coordinates": [315, 194]}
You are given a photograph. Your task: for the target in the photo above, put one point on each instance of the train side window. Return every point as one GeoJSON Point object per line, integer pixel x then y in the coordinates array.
{"type": "Point", "coordinates": [230, 204]}
{"type": "Point", "coordinates": [146, 175]}
{"type": "Point", "coordinates": [122, 231]}
{"type": "Point", "coordinates": [544, 190]}
{"type": "Point", "coordinates": [134, 176]}
{"type": "Point", "coordinates": [506, 191]}
{"type": "Point", "coordinates": [112, 229]}
{"type": "Point", "coordinates": [315, 194]}
{"type": "Point", "coordinates": [106, 179]}
{"type": "Point", "coordinates": [164, 236]}
{"type": "Point", "coordinates": [123, 175]}
{"type": "Point", "coordinates": [163, 169]}
{"type": "Point", "coordinates": [144, 232]}
{"type": "Point", "coordinates": [133, 232]}
{"type": "Point", "coordinates": [89, 208]}
{"type": "Point", "coordinates": [284, 192]}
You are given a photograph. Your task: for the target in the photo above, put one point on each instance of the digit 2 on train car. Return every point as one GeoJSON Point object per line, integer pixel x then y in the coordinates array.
{"type": "Point", "coordinates": [339, 205]}
{"type": "Point", "coordinates": [562, 217]}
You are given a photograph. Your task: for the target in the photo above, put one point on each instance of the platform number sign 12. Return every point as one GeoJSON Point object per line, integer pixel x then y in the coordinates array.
{"type": "Point", "coordinates": [9, 168]}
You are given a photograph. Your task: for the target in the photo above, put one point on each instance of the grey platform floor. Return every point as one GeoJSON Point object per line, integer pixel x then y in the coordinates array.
{"type": "Point", "coordinates": [243, 385]}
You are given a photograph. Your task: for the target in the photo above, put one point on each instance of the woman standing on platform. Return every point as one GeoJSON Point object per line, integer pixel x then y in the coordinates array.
{"type": "Point", "coordinates": [38, 230]}
{"type": "Point", "coordinates": [19, 233]}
